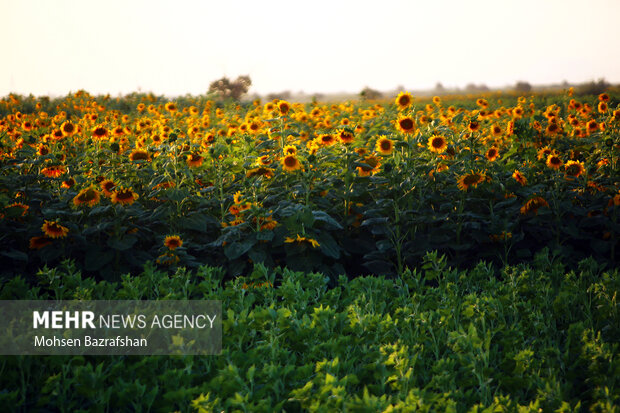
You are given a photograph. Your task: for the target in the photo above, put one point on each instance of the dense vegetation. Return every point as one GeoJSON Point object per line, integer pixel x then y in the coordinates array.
{"type": "Point", "coordinates": [489, 225]}
{"type": "Point", "coordinates": [352, 188]}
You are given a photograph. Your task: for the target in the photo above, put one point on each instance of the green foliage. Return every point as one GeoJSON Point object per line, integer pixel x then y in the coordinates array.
{"type": "Point", "coordinates": [523, 338]}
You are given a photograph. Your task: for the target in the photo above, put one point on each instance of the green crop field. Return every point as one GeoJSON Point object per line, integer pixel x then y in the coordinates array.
{"type": "Point", "coordinates": [448, 254]}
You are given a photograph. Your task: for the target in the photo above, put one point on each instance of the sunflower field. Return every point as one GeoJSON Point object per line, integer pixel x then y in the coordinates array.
{"type": "Point", "coordinates": [327, 229]}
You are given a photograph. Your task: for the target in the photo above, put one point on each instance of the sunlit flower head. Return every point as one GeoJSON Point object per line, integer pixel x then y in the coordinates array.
{"type": "Point", "coordinates": [124, 196]}
{"type": "Point", "coordinates": [290, 163]}
{"type": "Point", "coordinates": [470, 180]}
{"type": "Point", "coordinates": [437, 144]}
{"type": "Point", "coordinates": [87, 196]}
{"type": "Point", "coordinates": [405, 124]}
{"type": "Point", "coordinates": [53, 229]}
{"type": "Point", "coordinates": [404, 100]}
{"type": "Point", "coordinates": [554, 161]}
{"type": "Point", "coordinates": [384, 146]}
{"type": "Point", "coordinates": [173, 242]}
{"type": "Point", "coordinates": [574, 168]}
{"type": "Point", "coordinates": [518, 176]}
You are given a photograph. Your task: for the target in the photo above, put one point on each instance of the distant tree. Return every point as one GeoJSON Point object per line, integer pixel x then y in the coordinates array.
{"type": "Point", "coordinates": [369, 94]}
{"type": "Point", "coordinates": [286, 95]}
{"type": "Point", "coordinates": [224, 88]}
{"type": "Point", "coordinates": [473, 88]}
{"type": "Point", "coordinates": [439, 88]}
{"type": "Point", "coordinates": [593, 88]}
{"type": "Point", "coordinates": [523, 87]}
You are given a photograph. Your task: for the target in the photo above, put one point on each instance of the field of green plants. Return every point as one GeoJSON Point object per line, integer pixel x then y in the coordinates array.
{"type": "Point", "coordinates": [448, 254]}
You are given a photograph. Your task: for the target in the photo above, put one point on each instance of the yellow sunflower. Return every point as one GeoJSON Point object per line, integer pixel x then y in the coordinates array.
{"type": "Point", "coordinates": [290, 163]}
{"type": "Point", "coordinates": [107, 186]}
{"type": "Point", "coordinates": [194, 160]}
{"type": "Point", "coordinates": [470, 180]}
{"type": "Point", "coordinates": [87, 196]}
{"type": "Point", "coordinates": [518, 176]}
{"type": "Point", "coordinates": [492, 154]}
{"type": "Point", "coordinates": [299, 239]}
{"type": "Point", "coordinates": [574, 168]}
{"type": "Point", "coordinates": [404, 100]}
{"type": "Point", "coordinates": [124, 196]}
{"type": "Point", "coordinates": [138, 155]}
{"type": "Point", "coordinates": [437, 144]}
{"type": "Point", "coordinates": [405, 124]}
{"type": "Point", "coordinates": [53, 229]}
{"type": "Point", "coordinates": [173, 242]}
{"type": "Point", "coordinates": [554, 161]}
{"type": "Point", "coordinates": [533, 205]}
{"type": "Point", "coordinates": [68, 128]}
{"type": "Point", "coordinates": [384, 146]}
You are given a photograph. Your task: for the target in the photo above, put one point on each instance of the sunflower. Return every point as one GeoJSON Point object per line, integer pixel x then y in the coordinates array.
{"type": "Point", "coordinates": [57, 134]}
{"type": "Point", "coordinates": [470, 180]}
{"type": "Point", "coordinates": [405, 124]}
{"type": "Point", "coordinates": [54, 171]}
{"type": "Point", "coordinates": [603, 97]}
{"type": "Point", "coordinates": [194, 160]}
{"type": "Point", "coordinates": [43, 149]}
{"type": "Point", "coordinates": [107, 186]}
{"type": "Point", "coordinates": [592, 126]}
{"type": "Point", "coordinates": [284, 107]}
{"type": "Point", "coordinates": [554, 161]}
{"type": "Point", "coordinates": [437, 144]}
{"type": "Point", "coordinates": [373, 163]}
{"type": "Point", "coordinates": [68, 128]}
{"type": "Point", "coordinates": [533, 205]}
{"type": "Point", "coordinates": [290, 150]}
{"type": "Point", "coordinates": [345, 136]}
{"type": "Point", "coordinates": [167, 258]}
{"type": "Point", "coordinates": [53, 229]}
{"type": "Point", "coordinates": [237, 197]}
{"type": "Point", "coordinates": [492, 154]}
{"type": "Point", "coordinates": [263, 160]}
{"type": "Point", "coordinates": [260, 171]}
{"type": "Point", "coordinates": [299, 239]}
{"type": "Point", "coordinates": [473, 125]}
{"type": "Point", "coordinates": [496, 130]}
{"type": "Point", "coordinates": [36, 243]}
{"type": "Point", "coordinates": [99, 132]}
{"type": "Point", "coordinates": [552, 128]}
{"type": "Point", "coordinates": [602, 107]}
{"type": "Point", "coordinates": [254, 126]}
{"type": "Point", "coordinates": [543, 153]}
{"type": "Point", "coordinates": [87, 196]}
{"type": "Point", "coordinates": [124, 196]}
{"type": "Point", "coordinates": [518, 176]}
{"type": "Point", "coordinates": [326, 139]}
{"type": "Point", "coordinates": [68, 183]}
{"type": "Point", "coordinates": [171, 107]}
{"type": "Point", "coordinates": [138, 155]}
{"type": "Point", "coordinates": [384, 146]}
{"type": "Point", "coordinates": [173, 242]}
{"type": "Point", "coordinates": [574, 168]}
{"type": "Point", "coordinates": [290, 163]}
{"type": "Point", "coordinates": [404, 100]}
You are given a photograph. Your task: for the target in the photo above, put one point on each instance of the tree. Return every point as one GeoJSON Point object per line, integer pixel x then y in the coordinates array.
{"type": "Point", "coordinates": [370, 94]}
{"type": "Point", "coordinates": [225, 89]}
{"type": "Point", "coordinates": [523, 87]}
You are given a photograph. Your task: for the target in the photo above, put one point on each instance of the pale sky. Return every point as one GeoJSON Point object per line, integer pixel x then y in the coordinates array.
{"type": "Point", "coordinates": [179, 47]}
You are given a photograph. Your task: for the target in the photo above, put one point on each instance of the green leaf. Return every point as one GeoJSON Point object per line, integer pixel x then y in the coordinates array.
{"type": "Point", "coordinates": [16, 255]}
{"type": "Point", "coordinates": [122, 244]}
{"type": "Point", "coordinates": [235, 250]}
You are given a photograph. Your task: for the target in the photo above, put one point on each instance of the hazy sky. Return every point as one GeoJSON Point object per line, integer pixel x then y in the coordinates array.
{"type": "Point", "coordinates": [179, 47]}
